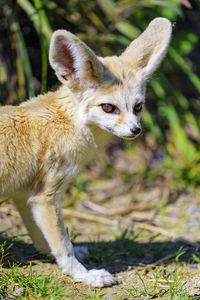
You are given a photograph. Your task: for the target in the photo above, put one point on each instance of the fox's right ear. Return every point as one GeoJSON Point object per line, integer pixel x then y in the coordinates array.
{"type": "Point", "coordinates": [73, 61]}
{"type": "Point", "coordinates": [147, 51]}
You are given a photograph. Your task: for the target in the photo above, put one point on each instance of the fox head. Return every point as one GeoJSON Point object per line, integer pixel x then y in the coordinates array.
{"type": "Point", "coordinates": [110, 91]}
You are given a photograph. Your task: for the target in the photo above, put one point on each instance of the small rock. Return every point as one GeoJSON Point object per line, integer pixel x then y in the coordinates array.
{"type": "Point", "coordinates": [18, 292]}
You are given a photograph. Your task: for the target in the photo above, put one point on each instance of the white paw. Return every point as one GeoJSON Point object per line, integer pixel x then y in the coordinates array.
{"type": "Point", "coordinates": [96, 278]}
{"type": "Point", "coordinates": [81, 252]}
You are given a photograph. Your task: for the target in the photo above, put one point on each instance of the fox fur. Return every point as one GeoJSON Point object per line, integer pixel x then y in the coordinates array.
{"type": "Point", "coordinates": [46, 140]}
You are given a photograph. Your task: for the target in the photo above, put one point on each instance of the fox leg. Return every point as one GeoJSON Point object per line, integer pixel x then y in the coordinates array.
{"type": "Point", "coordinates": [47, 215]}
{"type": "Point", "coordinates": [81, 252]}
{"type": "Point", "coordinates": [36, 235]}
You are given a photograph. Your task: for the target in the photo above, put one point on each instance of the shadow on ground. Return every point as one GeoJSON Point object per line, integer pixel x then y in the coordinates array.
{"type": "Point", "coordinates": [116, 256]}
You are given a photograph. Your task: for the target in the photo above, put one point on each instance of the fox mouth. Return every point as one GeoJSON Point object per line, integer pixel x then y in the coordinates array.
{"type": "Point", "coordinates": [130, 137]}
{"type": "Point", "coordinates": [126, 137]}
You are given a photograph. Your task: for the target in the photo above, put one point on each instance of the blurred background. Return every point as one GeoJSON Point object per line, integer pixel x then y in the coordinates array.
{"type": "Point", "coordinates": [168, 151]}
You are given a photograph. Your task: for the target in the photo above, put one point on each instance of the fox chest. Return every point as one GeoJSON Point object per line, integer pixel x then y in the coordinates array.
{"type": "Point", "coordinates": [63, 164]}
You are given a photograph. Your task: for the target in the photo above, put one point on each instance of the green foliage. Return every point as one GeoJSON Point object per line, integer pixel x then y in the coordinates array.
{"type": "Point", "coordinates": [19, 283]}
{"type": "Point", "coordinates": [94, 295]}
{"type": "Point", "coordinates": [16, 283]}
{"type": "Point", "coordinates": [108, 26]}
{"type": "Point", "coordinates": [164, 284]}
{"type": "Point", "coordinates": [3, 251]}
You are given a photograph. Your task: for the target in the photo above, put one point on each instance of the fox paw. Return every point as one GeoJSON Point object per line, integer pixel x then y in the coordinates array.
{"type": "Point", "coordinates": [96, 278]}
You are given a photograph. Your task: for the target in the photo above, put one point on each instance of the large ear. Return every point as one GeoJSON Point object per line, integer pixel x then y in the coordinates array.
{"type": "Point", "coordinates": [73, 61]}
{"type": "Point", "coordinates": [148, 50]}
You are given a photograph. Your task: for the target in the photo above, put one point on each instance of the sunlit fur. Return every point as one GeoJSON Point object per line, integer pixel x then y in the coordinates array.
{"type": "Point", "coordinates": [45, 141]}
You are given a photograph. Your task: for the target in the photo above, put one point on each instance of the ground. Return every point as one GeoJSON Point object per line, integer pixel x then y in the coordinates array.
{"type": "Point", "coordinates": [144, 230]}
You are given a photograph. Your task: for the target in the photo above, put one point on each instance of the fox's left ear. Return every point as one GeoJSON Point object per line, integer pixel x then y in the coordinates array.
{"type": "Point", "coordinates": [73, 61]}
{"type": "Point", "coordinates": [148, 50]}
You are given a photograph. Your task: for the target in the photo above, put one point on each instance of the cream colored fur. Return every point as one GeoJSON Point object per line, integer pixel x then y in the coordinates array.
{"type": "Point", "coordinates": [45, 141]}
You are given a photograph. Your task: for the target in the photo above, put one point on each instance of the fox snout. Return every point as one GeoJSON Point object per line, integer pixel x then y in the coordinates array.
{"type": "Point", "coordinates": [136, 130]}
{"type": "Point", "coordinates": [130, 128]}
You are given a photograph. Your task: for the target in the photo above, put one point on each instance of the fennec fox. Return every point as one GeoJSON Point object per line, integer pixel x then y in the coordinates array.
{"type": "Point", "coordinates": [44, 142]}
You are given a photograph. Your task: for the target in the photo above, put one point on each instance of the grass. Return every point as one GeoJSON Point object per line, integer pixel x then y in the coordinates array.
{"type": "Point", "coordinates": [163, 284]}
{"type": "Point", "coordinates": [151, 282]}
{"type": "Point", "coordinates": [165, 281]}
{"type": "Point", "coordinates": [17, 282]}
{"type": "Point", "coordinates": [24, 283]}
{"type": "Point", "coordinates": [94, 295]}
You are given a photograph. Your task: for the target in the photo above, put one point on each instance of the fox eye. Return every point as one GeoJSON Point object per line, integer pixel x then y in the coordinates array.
{"type": "Point", "coordinates": [109, 108]}
{"type": "Point", "coordinates": [138, 107]}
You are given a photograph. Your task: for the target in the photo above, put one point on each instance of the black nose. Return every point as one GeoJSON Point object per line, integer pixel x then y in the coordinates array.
{"type": "Point", "coordinates": [135, 130]}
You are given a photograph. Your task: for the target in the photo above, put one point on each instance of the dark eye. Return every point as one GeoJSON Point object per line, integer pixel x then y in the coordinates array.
{"type": "Point", "coordinates": [109, 108]}
{"type": "Point", "coordinates": [138, 107]}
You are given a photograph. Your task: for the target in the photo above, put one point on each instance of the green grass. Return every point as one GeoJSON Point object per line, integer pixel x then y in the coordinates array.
{"type": "Point", "coordinates": [17, 282]}
{"type": "Point", "coordinates": [152, 281]}
{"type": "Point", "coordinates": [94, 295]}
{"type": "Point", "coordinates": [163, 283]}
{"type": "Point", "coordinates": [28, 284]}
